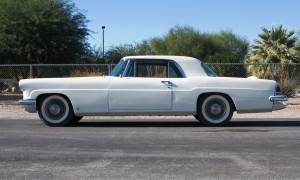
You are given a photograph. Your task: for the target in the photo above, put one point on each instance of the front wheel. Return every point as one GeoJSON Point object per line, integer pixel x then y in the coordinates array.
{"type": "Point", "coordinates": [214, 110]}
{"type": "Point", "coordinates": [55, 110]}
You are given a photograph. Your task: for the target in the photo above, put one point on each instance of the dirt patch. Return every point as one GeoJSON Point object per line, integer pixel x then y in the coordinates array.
{"type": "Point", "coordinates": [10, 99]}
{"type": "Point", "coordinates": [294, 101]}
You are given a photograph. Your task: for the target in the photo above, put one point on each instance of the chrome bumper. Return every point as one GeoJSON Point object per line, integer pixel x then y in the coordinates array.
{"type": "Point", "coordinates": [279, 102]}
{"type": "Point", "coordinates": [29, 104]}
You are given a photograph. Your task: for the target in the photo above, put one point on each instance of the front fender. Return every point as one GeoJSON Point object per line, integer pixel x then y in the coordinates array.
{"type": "Point", "coordinates": [82, 100]}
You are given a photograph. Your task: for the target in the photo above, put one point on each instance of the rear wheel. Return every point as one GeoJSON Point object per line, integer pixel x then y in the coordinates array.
{"type": "Point", "coordinates": [55, 110]}
{"type": "Point", "coordinates": [214, 110]}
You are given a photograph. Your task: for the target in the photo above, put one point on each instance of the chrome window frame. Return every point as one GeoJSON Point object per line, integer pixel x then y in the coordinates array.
{"type": "Point", "coordinates": [126, 68]}
{"type": "Point", "coordinates": [129, 61]}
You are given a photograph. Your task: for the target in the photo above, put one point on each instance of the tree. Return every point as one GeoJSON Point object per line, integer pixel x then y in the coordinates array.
{"type": "Point", "coordinates": [114, 54]}
{"type": "Point", "coordinates": [48, 31]}
{"type": "Point", "coordinates": [187, 41]}
{"type": "Point", "coordinates": [222, 47]}
{"type": "Point", "coordinates": [298, 46]}
{"type": "Point", "coordinates": [277, 45]}
{"type": "Point", "coordinates": [231, 48]}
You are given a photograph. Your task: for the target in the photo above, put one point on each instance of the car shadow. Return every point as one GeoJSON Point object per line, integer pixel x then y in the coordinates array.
{"type": "Point", "coordinates": [288, 122]}
{"type": "Point", "coordinates": [272, 123]}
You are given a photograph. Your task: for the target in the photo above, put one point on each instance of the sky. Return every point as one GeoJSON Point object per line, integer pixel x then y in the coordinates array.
{"type": "Point", "coordinates": [130, 21]}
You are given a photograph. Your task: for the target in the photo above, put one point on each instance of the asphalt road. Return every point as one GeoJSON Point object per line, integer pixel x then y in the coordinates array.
{"type": "Point", "coordinates": [258, 146]}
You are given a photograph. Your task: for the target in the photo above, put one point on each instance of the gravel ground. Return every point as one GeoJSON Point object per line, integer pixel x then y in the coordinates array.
{"type": "Point", "coordinates": [253, 146]}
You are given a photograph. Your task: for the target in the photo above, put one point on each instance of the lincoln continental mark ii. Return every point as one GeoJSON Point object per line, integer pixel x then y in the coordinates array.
{"type": "Point", "coordinates": [151, 85]}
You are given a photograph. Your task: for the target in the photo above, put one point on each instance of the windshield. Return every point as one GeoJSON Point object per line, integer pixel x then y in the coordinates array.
{"type": "Point", "coordinates": [208, 71]}
{"type": "Point", "coordinates": [119, 69]}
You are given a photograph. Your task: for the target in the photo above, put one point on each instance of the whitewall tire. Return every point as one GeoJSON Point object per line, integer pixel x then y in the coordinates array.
{"type": "Point", "coordinates": [55, 110]}
{"type": "Point", "coordinates": [214, 110]}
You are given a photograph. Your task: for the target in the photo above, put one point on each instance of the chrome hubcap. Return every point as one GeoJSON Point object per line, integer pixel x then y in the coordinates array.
{"type": "Point", "coordinates": [54, 109]}
{"type": "Point", "coordinates": [216, 109]}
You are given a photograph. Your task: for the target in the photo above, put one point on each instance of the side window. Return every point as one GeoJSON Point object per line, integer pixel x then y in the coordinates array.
{"type": "Point", "coordinates": [153, 69]}
{"type": "Point", "coordinates": [174, 71]}
{"type": "Point", "coordinates": [208, 71]}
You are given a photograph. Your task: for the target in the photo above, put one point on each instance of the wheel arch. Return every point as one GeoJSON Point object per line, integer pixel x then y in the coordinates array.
{"type": "Point", "coordinates": [41, 96]}
{"type": "Point", "coordinates": [218, 93]}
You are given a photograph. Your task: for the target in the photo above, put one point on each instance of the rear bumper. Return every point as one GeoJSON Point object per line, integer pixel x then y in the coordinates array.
{"type": "Point", "coordinates": [279, 102]}
{"type": "Point", "coordinates": [29, 104]}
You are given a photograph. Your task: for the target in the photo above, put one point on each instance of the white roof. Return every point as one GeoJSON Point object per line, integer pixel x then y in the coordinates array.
{"type": "Point", "coordinates": [161, 57]}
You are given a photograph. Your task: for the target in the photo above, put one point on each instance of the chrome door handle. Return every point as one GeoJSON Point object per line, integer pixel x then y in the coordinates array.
{"type": "Point", "coordinates": [167, 83]}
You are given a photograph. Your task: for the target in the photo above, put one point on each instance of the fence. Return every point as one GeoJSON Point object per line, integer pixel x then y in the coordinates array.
{"type": "Point", "coordinates": [11, 74]}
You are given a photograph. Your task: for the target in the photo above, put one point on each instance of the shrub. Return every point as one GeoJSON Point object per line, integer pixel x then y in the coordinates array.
{"type": "Point", "coordinates": [289, 87]}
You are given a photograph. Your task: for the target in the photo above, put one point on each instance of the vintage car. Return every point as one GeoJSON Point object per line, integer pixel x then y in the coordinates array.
{"type": "Point", "coordinates": [151, 85]}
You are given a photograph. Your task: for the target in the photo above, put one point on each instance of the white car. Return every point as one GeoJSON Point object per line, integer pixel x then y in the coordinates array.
{"type": "Point", "coordinates": [151, 85]}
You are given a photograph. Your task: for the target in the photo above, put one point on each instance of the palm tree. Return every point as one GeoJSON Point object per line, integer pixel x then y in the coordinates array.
{"type": "Point", "coordinates": [277, 45]}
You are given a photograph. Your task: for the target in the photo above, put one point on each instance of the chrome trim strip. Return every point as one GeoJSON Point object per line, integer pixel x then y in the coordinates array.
{"type": "Point", "coordinates": [27, 101]}
{"type": "Point", "coordinates": [134, 68]}
{"type": "Point", "coordinates": [166, 113]}
{"type": "Point", "coordinates": [168, 69]}
{"type": "Point", "coordinates": [126, 68]}
{"type": "Point", "coordinates": [278, 98]}
{"type": "Point", "coordinates": [170, 61]}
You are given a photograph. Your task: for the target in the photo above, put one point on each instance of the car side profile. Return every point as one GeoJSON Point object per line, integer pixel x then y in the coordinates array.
{"type": "Point", "coordinates": [151, 85]}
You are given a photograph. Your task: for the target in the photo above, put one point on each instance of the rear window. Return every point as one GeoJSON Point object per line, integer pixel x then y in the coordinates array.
{"type": "Point", "coordinates": [208, 71]}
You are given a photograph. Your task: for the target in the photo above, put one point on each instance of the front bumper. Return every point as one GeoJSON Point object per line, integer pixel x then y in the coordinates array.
{"type": "Point", "coordinates": [29, 104]}
{"type": "Point", "coordinates": [279, 102]}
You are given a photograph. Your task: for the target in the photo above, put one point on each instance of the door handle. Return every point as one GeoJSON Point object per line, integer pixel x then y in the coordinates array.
{"type": "Point", "coordinates": [167, 83]}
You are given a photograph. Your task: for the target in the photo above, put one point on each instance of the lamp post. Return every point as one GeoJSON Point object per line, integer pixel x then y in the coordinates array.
{"type": "Point", "coordinates": [103, 27]}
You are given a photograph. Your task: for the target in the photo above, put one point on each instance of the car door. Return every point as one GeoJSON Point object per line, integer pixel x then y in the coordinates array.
{"type": "Point", "coordinates": [144, 87]}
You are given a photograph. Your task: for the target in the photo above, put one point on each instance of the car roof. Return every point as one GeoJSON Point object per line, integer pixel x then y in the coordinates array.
{"type": "Point", "coordinates": [163, 57]}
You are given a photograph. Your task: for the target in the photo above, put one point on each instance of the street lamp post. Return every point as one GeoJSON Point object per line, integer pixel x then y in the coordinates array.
{"type": "Point", "coordinates": [103, 27]}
